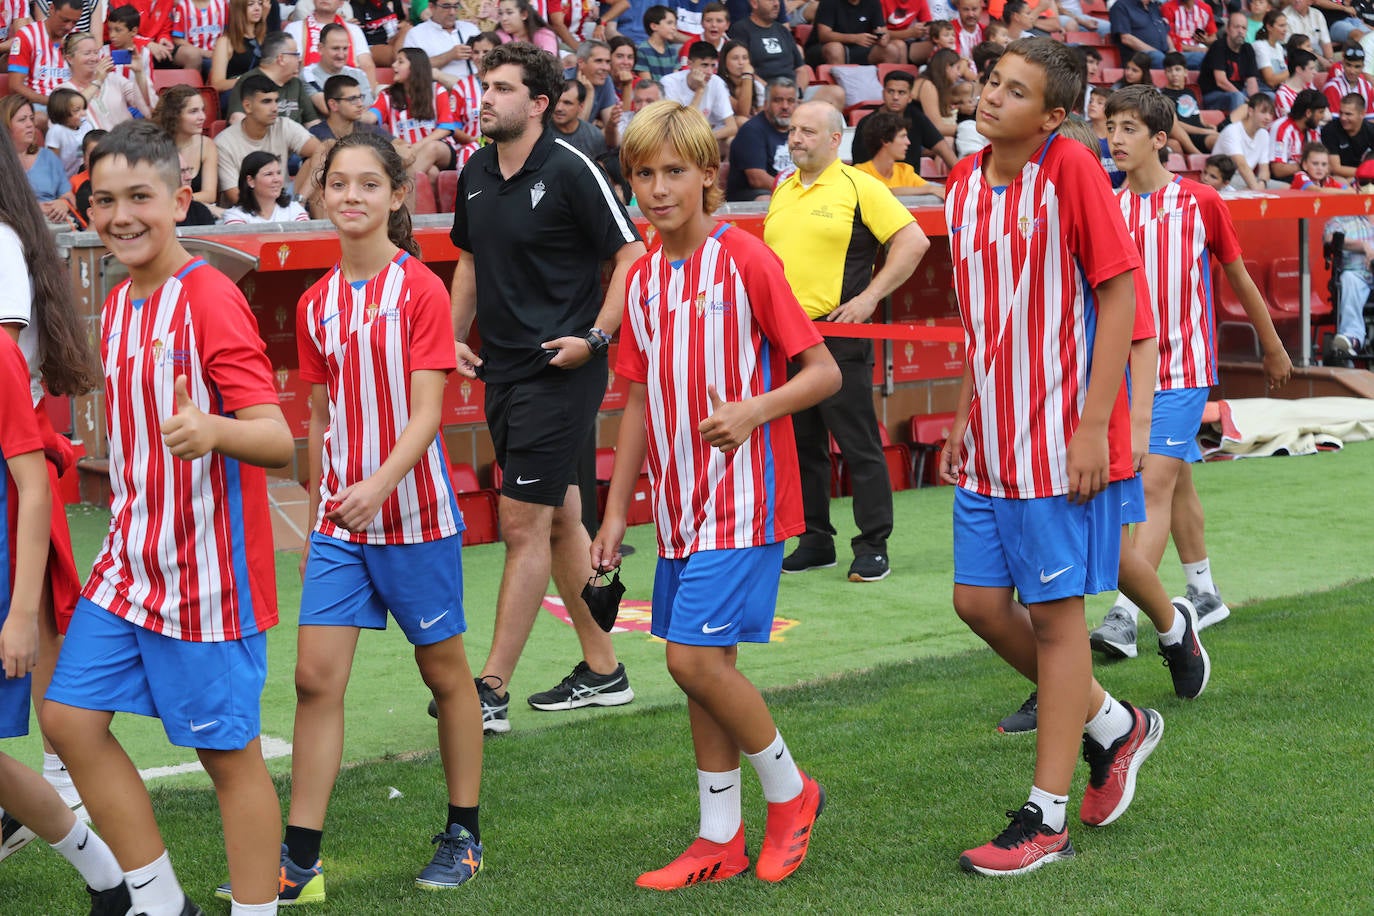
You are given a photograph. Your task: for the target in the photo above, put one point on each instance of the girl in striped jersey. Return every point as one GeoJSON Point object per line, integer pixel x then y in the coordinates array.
{"type": "Point", "coordinates": [376, 342]}
{"type": "Point", "coordinates": [418, 113]}
{"type": "Point", "coordinates": [196, 24]}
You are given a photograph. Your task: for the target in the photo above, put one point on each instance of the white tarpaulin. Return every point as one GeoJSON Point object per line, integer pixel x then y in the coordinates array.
{"type": "Point", "coordinates": [1255, 427]}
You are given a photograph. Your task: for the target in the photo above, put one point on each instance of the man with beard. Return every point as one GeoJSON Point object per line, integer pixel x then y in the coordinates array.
{"type": "Point", "coordinates": [1295, 131]}
{"type": "Point", "coordinates": [758, 154]}
{"type": "Point", "coordinates": [530, 210]}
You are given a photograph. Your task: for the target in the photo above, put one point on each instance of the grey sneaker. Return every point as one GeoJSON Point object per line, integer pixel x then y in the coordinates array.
{"type": "Point", "coordinates": [1210, 608]}
{"type": "Point", "coordinates": [495, 710]}
{"type": "Point", "coordinates": [584, 687]}
{"type": "Point", "coordinates": [1024, 719]}
{"type": "Point", "coordinates": [1116, 637]}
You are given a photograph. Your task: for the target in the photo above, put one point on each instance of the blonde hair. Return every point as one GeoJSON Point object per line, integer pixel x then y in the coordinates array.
{"type": "Point", "coordinates": [681, 128]}
{"type": "Point", "coordinates": [1074, 128]}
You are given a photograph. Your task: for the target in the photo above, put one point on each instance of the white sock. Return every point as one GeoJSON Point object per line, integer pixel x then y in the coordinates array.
{"type": "Point", "coordinates": [1111, 722]}
{"type": "Point", "coordinates": [778, 774]}
{"type": "Point", "coordinates": [154, 888]}
{"type": "Point", "coordinates": [1052, 807]}
{"type": "Point", "coordinates": [52, 765]}
{"type": "Point", "coordinates": [90, 856]}
{"type": "Point", "coordinates": [1199, 576]}
{"type": "Point", "coordinates": [251, 909]}
{"type": "Point", "coordinates": [1128, 605]}
{"type": "Point", "coordinates": [720, 805]}
{"type": "Point", "coordinates": [1174, 635]}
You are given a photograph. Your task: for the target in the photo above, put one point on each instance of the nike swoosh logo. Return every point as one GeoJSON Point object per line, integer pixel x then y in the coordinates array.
{"type": "Point", "coordinates": [650, 300]}
{"type": "Point", "coordinates": [778, 755]}
{"type": "Point", "coordinates": [113, 335]}
{"type": "Point", "coordinates": [1174, 441]}
{"type": "Point", "coordinates": [708, 629]}
{"type": "Point", "coordinates": [520, 481]}
{"type": "Point", "coordinates": [1054, 575]}
{"type": "Point", "coordinates": [328, 318]}
{"type": "Point", "coordinates": [203, 725]}
{"type": "Point", "coordinates": [139, 887]}
{"type": "Point", "coordinates": [956, 229]}
{"type": "Point", "coordinates": [1058, 802]}
{"type": "Point", "coordinates": [426, 624]}
{"type": "Point", "coordinates": [84, 840]}
{"type": "Point", "coordinates": [714, 791]}
{"type": "Point", "coordinates": [474, 194]}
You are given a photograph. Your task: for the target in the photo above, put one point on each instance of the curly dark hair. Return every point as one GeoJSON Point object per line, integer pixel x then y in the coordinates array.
{"type": "Point", "coordinates": [541, 72]}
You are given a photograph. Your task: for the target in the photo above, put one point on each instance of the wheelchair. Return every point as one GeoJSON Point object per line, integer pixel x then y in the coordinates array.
{"type": "Point", "coordinates": [1332, 252]}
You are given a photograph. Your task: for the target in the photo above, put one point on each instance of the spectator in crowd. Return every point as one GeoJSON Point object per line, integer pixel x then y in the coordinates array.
{"type": "Point", "coordinates": [1228, 74]}
{"type": "Point", "coordinates": [1270, 56]}
{"type": "Point", "coordinates": [281, 63]}
{"type": "Point", "coordinates": [1314, 171]}
{"type": "Point", "coordinates": [715, 28]}
{"type": "Point", "coordinates": [924, 135]}
{"type": "Point", "coordinates": [1356, 280]}
{"type": "Point", "coordinates": [699, 87]}
{"type": "Point", "coordinates": [1302, 74]}
{"type": "Point", "coordinates": [851, 32]}
{"type": "Point", "coordinates": [1218, 172]}
{"type": "Point", "coordinates": [758, 154]}
{"type": "Point", "coordinates": [996, 32]}
{"type": "Point", "coordinates": [569, 126]}
{"type": "Point", "coordinates": [1304, 19]}
{"type": "Point", "coordinates": [345, 106]}
{"type": "Point", "coordinates": [1249, 143]}
{"type": "Point", "coordinates": [384, 26]}
{"type": "Point", "coordinates": [239, 49]}
{"type": "Point", "coordinates": [1018, 19]}
{"type": "Point", "coordinates": [306, 33]}
{"type": "Point", "coordinates": [933, 92]}
{"type": "Point", "coordinates": [154, 28]}
{"type": "Point", "coordinates": [908, 23]}
{"type": "Point", "coordinates": [772, 49]}
{"type": "Point", "coordinates": [196, 26]}
{"type": "Point", "coordinates": [520, 21]}
{"type": "Point", "coordinates": [737, 70]}
{"type": "Point", "coordinates": [1294, 131]}
{"type": "Point", "coordinates": [573, 21]}
{"type": "Point", "coordinates": [197, 213]}
{"type": "Point", "coordinates": [1138, 25]}
{"type": "Point", "coordinates": [1192, 28]}
{"type": "Point", "coordinates": [110, 98]}
{"type": "Point", "coordinates": [36, 62]}
{"type": "Point", "coordinates": [1347, 78]}
{"type": "Point", "coordinates": [46, 175]}
{"type": "Point", "coordinates": [121, 26]}
{"type": "Point", "coordinates": [1096, 116]}
{"type": "Point", "coordinates": [885, 134]}
{"type": "Point", "coordinates": [334, 53]}
{"type": "Point", "coordinates": [418, 113]}
{"type": "Point", "coordinates": [645, 92]}
{"type": "Point", "coordinates": [67, 125]}
{"type": "Point", "coordinates": [968, 27]}
{"type": "Point", "coordinates": [1189, 133]}
{"type": "Point", "coordinates": [628, 19]}
{"type": "Point", "coordinates": [262, 196]}
{"type": "Point", "coordinates": [967, 138]}
{"type": "Point", "coordinates": [181, 113]}
{"type": "Point", "coordinates": [1136, 71]}
{"type": "Point", "coordinates": [624, 66]}
{"type": "Point", "coordinates": [1255, 11]}
{"type": "Point", "coordinates": [81, 181]}
{"type": "Point", "coordinates": [1344, 22]}
{"type": "Point", "coordinates": [444, 38]}
{"type": "Point", "coordinates": [1348, 136]}
{"type": "Point", "coordinates": [594, 71]}
{"type": "Point", "coordinates": [262, 128]}
{"type": "Point", "coordinates": [1072, 18]}
{"type": "Point", "coordinates": [656, 55]}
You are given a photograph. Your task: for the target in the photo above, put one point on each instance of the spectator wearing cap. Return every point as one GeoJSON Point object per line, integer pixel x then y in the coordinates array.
{"type": "Point", "coordinates": [1347, 78]}
{"type": "Point", "coordinates": [1348, 136]}
{"type": "Point", "coordinates": [1356, 281]}
{"type": "Point", "coordinates": [1229, 73]}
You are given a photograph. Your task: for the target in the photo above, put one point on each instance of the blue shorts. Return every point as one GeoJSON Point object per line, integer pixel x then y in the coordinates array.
{"type": "Point", "coordinates": [717, 597]}
{"type": "Point", "coordinates": [207, 694]}
{"type": "Point", "coordinates": [1175, 421]}
{"type": "Point", "coordinates": [1046, 548]}
{"type": "Point", "coordinates": [1132, 501]}
{"type": "Point", "coordinates": [14, 705]}
{"type": "Point", "coordinates": [354, 585]}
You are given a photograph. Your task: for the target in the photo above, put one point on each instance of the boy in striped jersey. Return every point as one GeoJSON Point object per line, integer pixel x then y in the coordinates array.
{"type": "Point", "coordinates": [712, 323]}
{"type": "Point", "coordinates": [172, 622]}
{"type": "Point", "coordinates": [1178, 226]}
{"type": "Point", "coordinates": [1043, 273]}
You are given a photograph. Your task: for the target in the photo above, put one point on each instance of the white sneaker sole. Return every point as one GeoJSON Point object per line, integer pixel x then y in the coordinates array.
{"type": "Point", "coordinates": [611, 698]}
{"type": "Point", "coordinates": [1147, 747]}
{"type": "Point", "coordinates": [1061, 856]}
{"type": "Point", "coordinates": [1214, 616]}
{"type": "Point", "coordinates": [495, 726]}
{"type": "Point", "coordinates": [1110, 647]}
{"type": "Point", "coordinates": [793, 572]}
{"type": "Point", "coordinates": [17, 841]}
{"type": "Point", "coordinates": [855, 577]}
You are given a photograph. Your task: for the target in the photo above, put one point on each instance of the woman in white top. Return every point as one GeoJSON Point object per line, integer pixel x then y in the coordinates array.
{"type": "Point", "coordinates": [109, 96]}
{"type": "Point", "coordinates": [1270, 57]}
{"type": "Point", "coordinates": [262, 194]}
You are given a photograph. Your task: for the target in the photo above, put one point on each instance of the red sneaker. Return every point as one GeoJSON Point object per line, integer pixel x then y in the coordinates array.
{"type": "Point", "coordinates": [1111, 782]}
{"type": "Point", "coordinates": [703, 861]}
{"type": "Point", "coordinates": [1024, 846]}
{"type": "Point", "coordinates": [788, 831]}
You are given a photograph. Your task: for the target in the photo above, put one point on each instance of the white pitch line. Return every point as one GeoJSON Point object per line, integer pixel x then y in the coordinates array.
{"type": "Point", "coordinates": [271, 749]}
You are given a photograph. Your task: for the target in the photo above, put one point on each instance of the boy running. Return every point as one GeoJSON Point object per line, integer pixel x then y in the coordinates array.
{"type": "Point", "coordinates": [712, 323]}
{"type": "Point", "coordinates": [172, 622]}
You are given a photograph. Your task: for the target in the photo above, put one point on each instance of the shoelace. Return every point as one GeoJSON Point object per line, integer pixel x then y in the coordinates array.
{"type": "Point", "coordinates": [1016, 833]}
{"type": "Point", "coordinates": [578, 669]}
{"type": "Point", "coordinates": [486, 693]}
{"type": "Point", "coordinates": [1032, 702]}
{"type": "Point", "coordinates": [449, 846]}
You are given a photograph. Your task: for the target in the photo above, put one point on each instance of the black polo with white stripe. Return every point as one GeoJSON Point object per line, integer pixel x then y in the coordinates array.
{"type": "Point", "coordinates": [537, 240]}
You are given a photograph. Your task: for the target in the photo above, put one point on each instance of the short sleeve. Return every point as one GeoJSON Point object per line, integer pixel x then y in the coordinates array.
{"type": "Point", "coordinates": [19, 433]}
{"type": "Point", "coordinates": [234, 356]}
{"type": "Point", "coordinates": [431, 321]}
{"type": "Point", "coordinates": [310, 358]}
{"type": "Point", "coordinates": [883, 213]}
{"type": "Point", "coordinates": [1097, 234]}
{"type": "Point", "coordinates": [825, 14]}
{"type": "Point", "coordinates": [599, 212]}
{"type": "Point", "coordinates": [21, 54]}
{"type": "Point", "coordinates": [631, 363]}
{"type": "Point", "coordinates": [1226, 141]}
{"type": "Point", "coordinates": [459, 233]}
{"type": "Point", "coordinates": [296, 135]}
{"type": "Point", "coordinates": [1216, 220]}
{"type": "Point", "coordinates": [927, 131]}
{"type": "Point", "coordinates": [774, 305]}
{"type": "Point", "coordinates": [1144, 327]}
{"type": "Point", "coordinates": [749, 149]}
{"type": "Point", "coordinates": [16, 306]}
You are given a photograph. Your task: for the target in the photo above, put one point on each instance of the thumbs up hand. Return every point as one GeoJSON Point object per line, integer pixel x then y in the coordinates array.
{"type": "Point", "coordinates": [730, 423]}
{"type": "Point", "coordinates": [189, 433]}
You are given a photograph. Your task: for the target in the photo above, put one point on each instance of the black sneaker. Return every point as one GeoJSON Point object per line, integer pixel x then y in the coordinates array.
{"type": "Point", "coordinates": [14, 836]}
{"type": "Point", "coordinates": [495, 710]}
{"type": "Point", "coordinates": [112, 902]}
{"type": "Point", "coordinates": [584, 687]}
{"type": "Point", "coordinates": [869, 568]}
{"type": "Point", "coordinates": [1024, 719]}
{"type": "Point", "coordinates": [187, 909]}
{"type": "Point", "coordinates": [1187, 662]}
{"type": "Point", "coordinates": [805, 558]}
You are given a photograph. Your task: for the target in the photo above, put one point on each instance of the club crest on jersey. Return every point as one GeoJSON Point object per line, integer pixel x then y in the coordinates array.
{"type": "Point", "coordinates": [536, 194]}
{"type": "Point", "coordinates": [1028, 227]}
{"type": "Point", "coordinates": [370, 312]}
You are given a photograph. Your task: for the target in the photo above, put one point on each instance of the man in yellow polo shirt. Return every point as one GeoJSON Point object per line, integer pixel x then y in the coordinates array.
{"type": "Point", "coordinates": [827, 222]}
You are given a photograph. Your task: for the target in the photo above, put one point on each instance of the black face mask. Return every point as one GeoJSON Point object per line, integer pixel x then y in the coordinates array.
{"type": "Point", "coordinates": [604, 600]}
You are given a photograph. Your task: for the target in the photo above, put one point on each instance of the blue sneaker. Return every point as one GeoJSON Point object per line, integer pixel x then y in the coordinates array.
{"type": "Point", "coordinates": [457, 859]}
{"type": "Point", "coordinates": [295, 885]}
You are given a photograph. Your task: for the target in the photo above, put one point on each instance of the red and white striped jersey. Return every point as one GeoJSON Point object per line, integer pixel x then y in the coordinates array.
{"type": "Point", "coordinates": [466, 99]}
{"type": "Point", "coordinates": [1338, 87]}
{"type": "Point", "coordinates": [362, 341]}
{"type": "Point", "coordinates": [723, 317]}
{"type": "Point", "coordinates": [1177, 229]}
{"type": "Point", "coordinates": [1026, 260]}
{"type": "Point", "coordinates": [199, 26]}
{"type": "Point", "coordinates": [189, 551]}
{"type": "Point", "coordinates": [401, 126]}
{"type": "Point", "coordinates": [39, 58]}
{"type": "Point", "coordinates": [1289, 140]}
{"type": "Point", "coordinates": [307, 34]}
{"type": "Point", "coordinates": [1184, 21]}
{"type": "Point", "coordinates": [127, 70]}
{"type": "Point", "coordinates": [1305, 182]}
{"type": "Point", "coordinates": [11, 11]}
{"type": "Point", "coordinates": [968, 40]}
{"type": "Point", "coordinates": [578, 15]}
{"type": "Point", "coordinates": [1284, 96]}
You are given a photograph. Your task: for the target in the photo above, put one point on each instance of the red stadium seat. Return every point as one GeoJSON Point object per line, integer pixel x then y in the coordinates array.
{"type": "Point", "coordinates": [1091, 39]}
{"type": "Point", "coordinates": [1212, 118]}
{"type": "Point", "coordinates": [448, 191]}
{"type": "Point", "coordinates": [1236, 336]}
{"type": "Point", "coordinates": [479, 506]}
{"type": "Point", "coordinates": [933, 167]}
{"type": "Point", "coordinates": [163, 79]}
{"type": "Point", "coordinates": [1111, 55]}
{"type": "Point", "coordinates": [1285, 291]}
{"type": "Point", "coordinates": [1108, 76]}
{"type": "Point", "coordinates": [928, 434]}
{"type": "Point", "coordinates": [1197, 162]}
{"type": "Point", "coordinates": [216, 127]}
{"type": "Point", "coordinates": [424, 196]}
{"type": "Point", "coordinates": [801, 32]}
{"type": "Point", "coordinates": [885, 69]}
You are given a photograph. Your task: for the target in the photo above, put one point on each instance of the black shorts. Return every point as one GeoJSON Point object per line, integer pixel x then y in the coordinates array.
{"type": "Point", "coordinates": [539, 427]}
{"type": "Point", "coordinates": [853, 54]}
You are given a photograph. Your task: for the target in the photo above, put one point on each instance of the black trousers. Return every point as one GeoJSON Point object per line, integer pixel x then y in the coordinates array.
{"type": "Point", "coordinates": [848, 415]}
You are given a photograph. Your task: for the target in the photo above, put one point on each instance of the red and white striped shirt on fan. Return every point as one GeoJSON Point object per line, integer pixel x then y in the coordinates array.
{"type": "Point", "coordinates": [1177, 230]}
{"type": "Point", "coordinates": [578, 15]}
{"type": "Point", "coordinates": [362, 341]}
{"type": "Point", "coordinates": [189, 551]}
{"type": "Point", "coordinates": [39, 58]}
{"type": "Point", "coordinates": [402, 126]}
{"type": "Point", "coordinates": [199, 25]}
{"type": "Point", "coordinates": [968, 40]}
{"type": "Point", "coordinates": [11, 11]}
{"type": "Point", "coordinates": [1027, 257]}
{"type": "Point", "coordinates": [723, 317]}
{"type": "Point", "coordinates": [307, 34]}
{"type": "Point", "coordinates": [1338, 87]}
{"type": "Point", "coordinates": [1184, 22]}
{"type": "Point", "coordinates": [1289, 140]}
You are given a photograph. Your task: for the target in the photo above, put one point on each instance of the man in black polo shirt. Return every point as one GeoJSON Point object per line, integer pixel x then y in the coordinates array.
{"type": "Point", "coordinates": [535, 218]}
{"type": "Point", "coordinates": [1228, 74]}
{"type": "Point", "coordinates": [923, 134]}
{"type": "Point", "coordinates": [852, 32]}
{"type": "Point", "coordinates": [1349, 137]}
